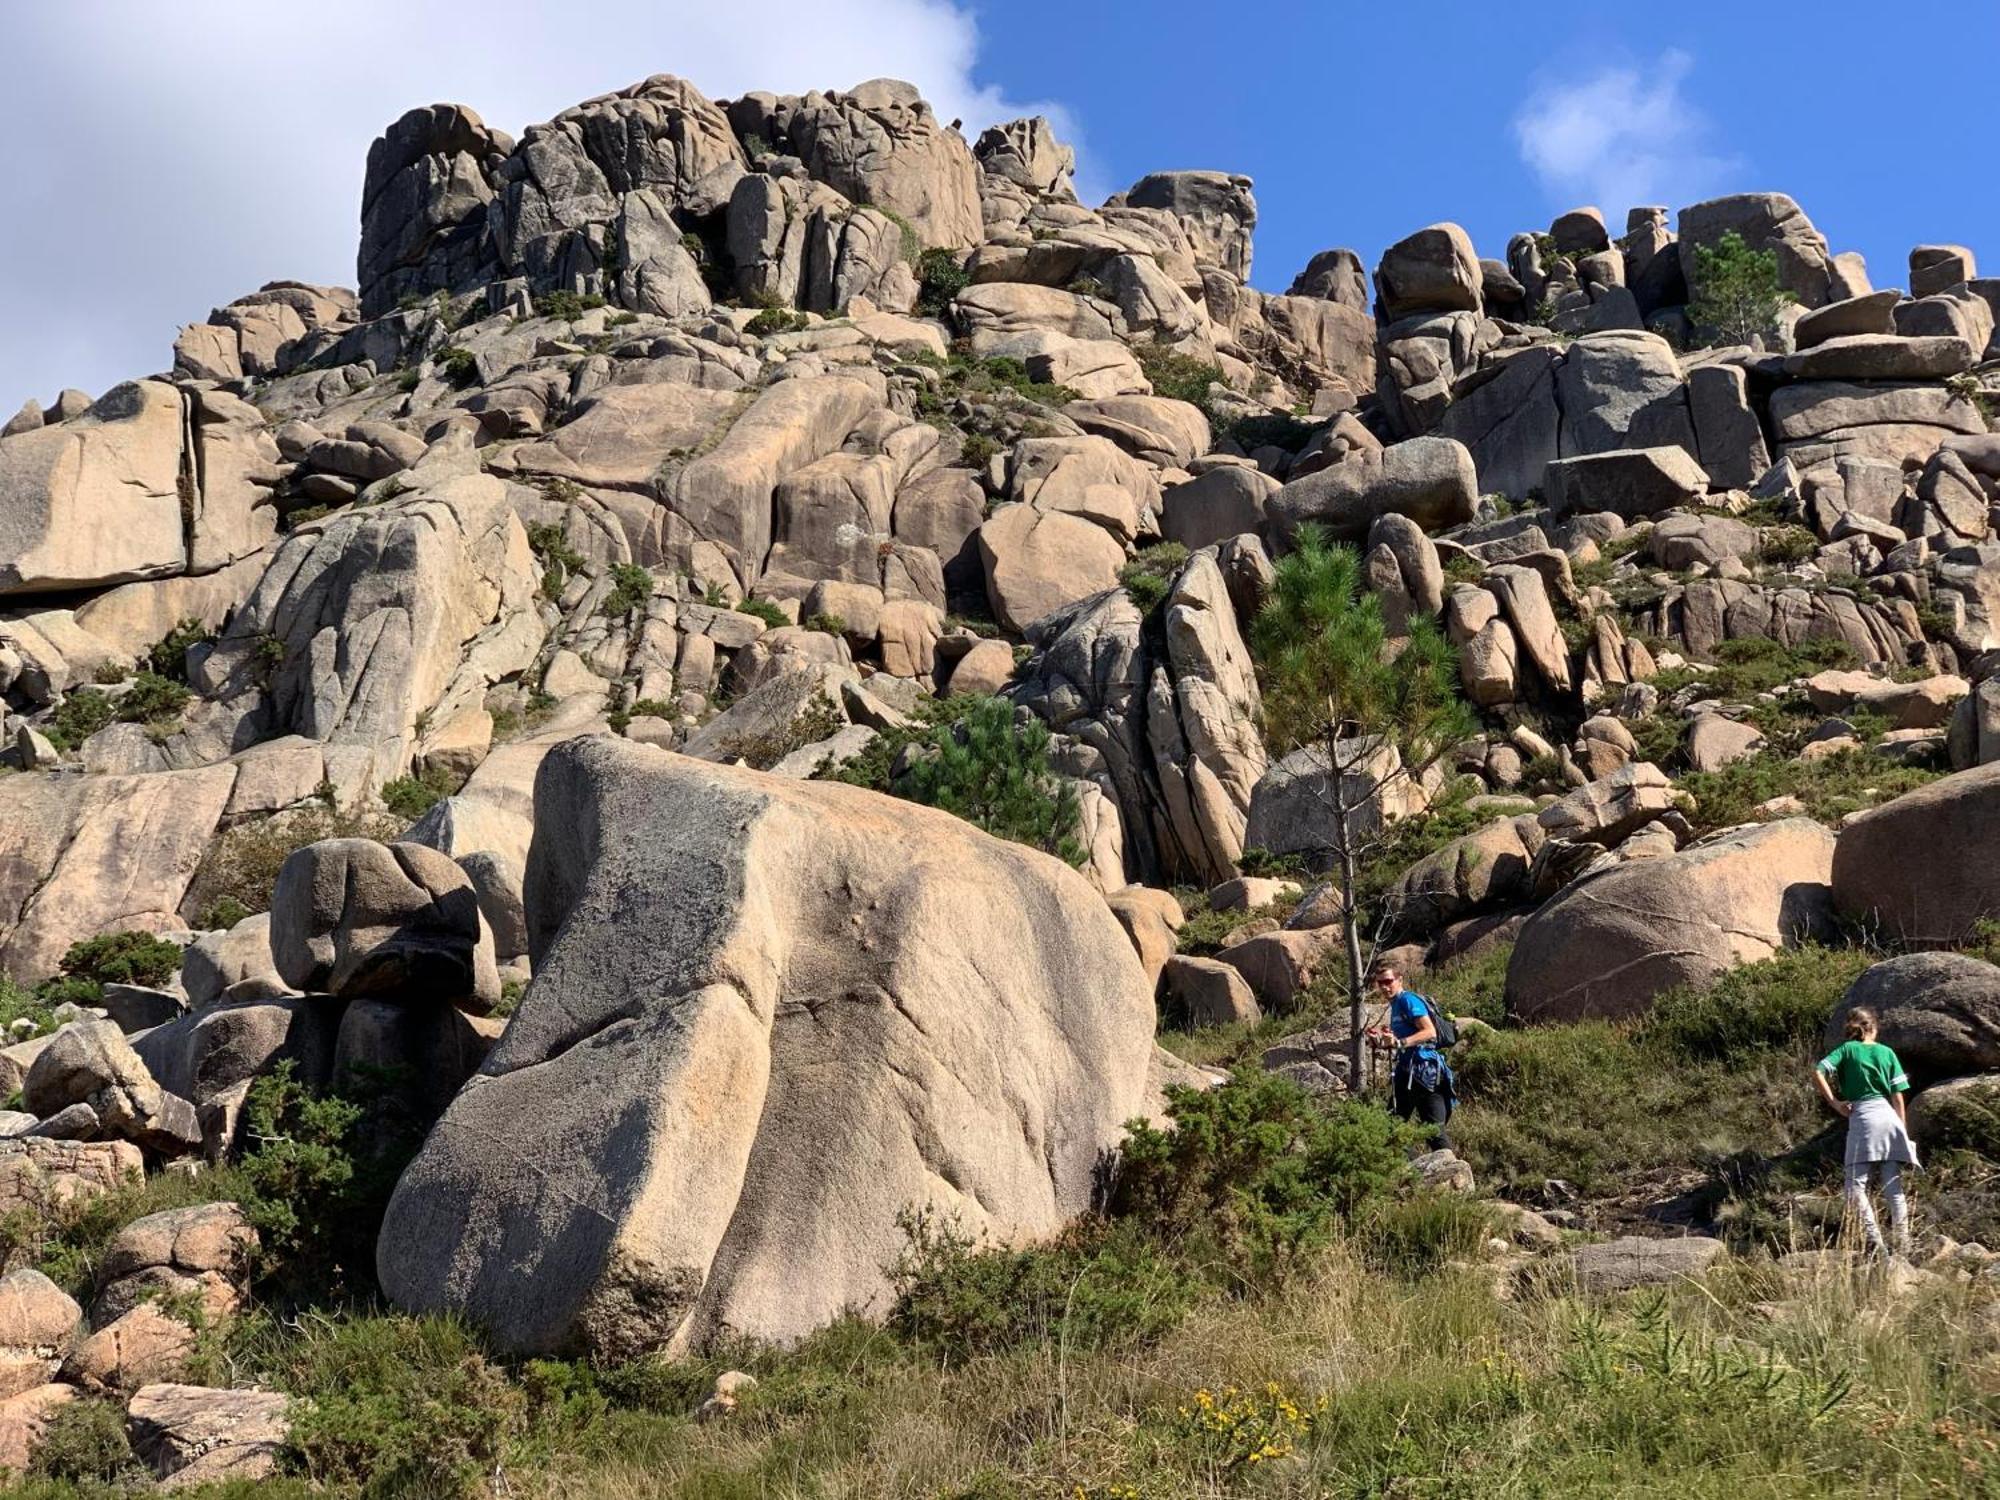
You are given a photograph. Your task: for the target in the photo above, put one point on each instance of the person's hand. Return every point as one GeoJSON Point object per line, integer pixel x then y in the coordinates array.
{"type": "Point", "coordinates": [1844, 1109]}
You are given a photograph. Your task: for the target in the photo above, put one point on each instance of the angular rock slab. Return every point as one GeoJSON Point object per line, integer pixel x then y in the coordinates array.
{"type": "Point", "coordinates": [767, 1018]}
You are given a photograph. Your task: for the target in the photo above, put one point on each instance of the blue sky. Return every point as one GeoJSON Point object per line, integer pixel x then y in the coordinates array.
{"type": "Point", "coordinates": [166, 158]}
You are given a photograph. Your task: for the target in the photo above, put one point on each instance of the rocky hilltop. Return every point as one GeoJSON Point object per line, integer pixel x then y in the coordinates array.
{"type": "Point", "coordinates": [456, 677]}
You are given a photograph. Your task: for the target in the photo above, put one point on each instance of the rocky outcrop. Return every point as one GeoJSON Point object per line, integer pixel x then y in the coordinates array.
{"type": "Point", "coordinates": [684, 1218]}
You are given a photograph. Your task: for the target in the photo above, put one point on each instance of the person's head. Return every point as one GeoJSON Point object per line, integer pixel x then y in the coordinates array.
{"type": "Point", "coordinates": [1861, 1024]}
{"type": "Point", "coordinates": [1387, 979]}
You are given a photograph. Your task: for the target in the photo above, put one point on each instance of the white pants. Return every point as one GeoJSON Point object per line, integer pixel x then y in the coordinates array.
{"type": "Point", "coordinates": [1892, 1194]}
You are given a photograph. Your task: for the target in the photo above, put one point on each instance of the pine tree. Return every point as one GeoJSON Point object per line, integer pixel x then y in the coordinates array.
{"type": "Point", "coordinates": [1333, 682]}
{"type": "Point", "coordinates": [994, 772]}
{"type": "Point", "coordinates": [1738, 297]}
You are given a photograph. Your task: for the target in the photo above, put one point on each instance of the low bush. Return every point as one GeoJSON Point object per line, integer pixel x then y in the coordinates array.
{"type": "Point", "coordinates": [123, 958]}
{"type": "Point", "coordinates": [410, 797]}
{"type": "Point", "coordinates": [82, 712]}
{"type": "Point", "coordinates": [560, 561]}
{"type": "Point", "coordinates": [941, 276]}
{"type": "Point", "coordinates": [1830, 788]}
{"type": "Point", "coordinates": [569, 306]}
{"type": "Point", "coordinates": [631, 587]}
{"type": "Point", "coordinates": [1178, 376]}
{"type": "Point", "coordinates": [765, 610]}
{"type": "Point", "coordinates": [84, 1444]}
{"type": "Point", "coordinates": [242, 865]}
{"type": "Point", "coordinates": [1149, 576]}
{"type": "Point", "coordinates": [1099, 1284]}
{"type": "Point", "coordinates": [1257, 1172]}
{"type": "Point", "coordinates": [774, 320]}
{"type": "Point", "coordinates": [992, 769]}
{"type": "Point", "coordinates": [459, 367]}
{"type": "Point", "coordinates": [826, 624]}
{"type": "Point", "coordinates": [168, 656]}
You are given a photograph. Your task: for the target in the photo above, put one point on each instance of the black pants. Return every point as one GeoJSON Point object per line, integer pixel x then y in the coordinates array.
{"type": "Point", "coordinates": [1408, 1100]}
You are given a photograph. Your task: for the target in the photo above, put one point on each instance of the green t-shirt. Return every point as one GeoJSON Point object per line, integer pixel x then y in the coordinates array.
{"type": "Point", "coordinates": [1865, 1070]}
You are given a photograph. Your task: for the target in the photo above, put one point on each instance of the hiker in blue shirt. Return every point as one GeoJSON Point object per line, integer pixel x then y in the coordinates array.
{"type": "Point", "coordinates": [1421, 1085]}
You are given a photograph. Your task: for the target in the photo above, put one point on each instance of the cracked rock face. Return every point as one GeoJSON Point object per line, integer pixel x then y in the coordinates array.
{"type": "Point", "coordinates": [844, 1008]}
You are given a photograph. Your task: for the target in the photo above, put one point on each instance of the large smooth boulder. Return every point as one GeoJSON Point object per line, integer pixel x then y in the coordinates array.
{"type": "Point", "coordinates": [1431, 480]}
{"type": "Point", "coordinates": [768, 1018]}
{"type": "Point", "coordinates": [1292, 808]}
{"type": "Point", "coordinates": [1920, 870]}
{"type": "Point", "coordinates": [96, 500]}
{"type": "Point", "coordinates": [1622, 389]}
{"type": "Point", "coordinates": [1940, 1012]}
{"type": "Point", "coordinates": [1038, 561]}
{"type": "Point", "coordinates": [1882, 356]}
{"type": "Point", "coordinates": [1216, 210]}
{"type": "Point", "coordinates": [1612, 942]}
{"type": "Point", "coordinates": [352, 917]}
{"type": "Point", "coordinates": [1433, 270]}
{"type": "Point", "coordinates": [1487, 867]}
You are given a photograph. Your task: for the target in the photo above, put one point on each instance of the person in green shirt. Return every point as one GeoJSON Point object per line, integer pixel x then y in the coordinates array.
{"type": "Point", "coordinates": [1871, 1084]}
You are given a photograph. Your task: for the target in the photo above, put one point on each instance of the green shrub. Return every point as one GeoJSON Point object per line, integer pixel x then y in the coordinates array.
{"type": "Point", "coordinates": [459, 366]}
{"type": "Point", "coordinates": [1780, 1004]}
{"type": "Point", "coordinates": [82, 712]}
{"type": "Point", "coordinates": [631, 587]}
{"type": "Point", "coordinates": [1097, 1284]}
{"type": "Point", "coordinates": [818, 720]}
{"type": "Point", "coordinates": [1149, 576]}
{"type": "Point", "coordinates": [168, 656]}
{"type": "Point", "coordinates": [1258, 1171]}
{"type": "Point", "coordinates": [977, 451]}
{"type": "Point", "coordinates": [1178, 376]}
{"type": "Point", "coordinates": [1416, 1234]}
{"type": "Point", "coordinates": [993, 770]}
{"type": "Point", "coordinates": [560, 561]}
{"type": "Point", "coordinates": [17, 1004]}
{"type": "Point", "coordinates": [940, 278]}
{"type": "Point", "coordinates": [765, 610]}
{"type": "Point", "coordinates": [411, 797]}
{"type": "Point", "coordinates": [85, 1444]}
{"type": "Point", "coordinates": [1830, 788]}
{"type": "Point", "coordinates": [826, 624]}
{"type": "Point", "coordinates": [569, 306]}
{"type": "Point", "coordinates": [398, 1406]}
{"type": "Point", "coordinates": [153, 699]}
{"type": "Point", "coordinates": [112, 958]}
{"type": "Point", "coordinates": [775, 320]}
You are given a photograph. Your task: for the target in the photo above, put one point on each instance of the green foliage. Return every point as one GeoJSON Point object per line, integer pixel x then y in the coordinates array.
{"type": "Point", "coordinates": [269, 652]}
{"type": "Point", "coordinates": [560, 561]}
{"type": "Point", "coordinates": [909, 245]}
{"type": "Point", "coordinates": [1003, 380]}
{"type": "Point", "coordinates": [1416, 1234]}
{"type": "Point", "coordinates": [1097, 1285]}
{"type": "Point", "coordinates": [17, 1004]}
{"type": "Point", "coordinates": [631, 587]}
{"type": "Point", "coordinates": [109, 673]}
{"type": "Point", "coordinates": [817, 720]}
{"type": "Point", "coordinates": [123, 958]}
{"type": "Point", "coordinates": [459, 366]}
{"type": "Point", "coordinates": [1707, 1075]}
{"type": "Point", "coordinates": [569, 306]}
{"type": "Point", "coordinates": [153, 699]}
{"type": "Point", "coordinates": [168, 656]}
{"type": "Point", "coordinates": [1150, 575]}
{"type": "Point", "coordinates": [825, 624]}
{"type": "Point", "coordinates": [1272, 430]}
{"type": "Point", "coordinates": [1756, 664]}
{"type": "Point", "coordinates": [992, 769]}
{"type": "Point", "coordinates": [85, 1444]}
{"type": "Point", "coordinates": [1257, 1171]}
{"type": "Point", "coordinates": [1202, 934]}
{"type": "Point", "coordinates": [1785, 546]}
{"type": "Point", "coordinates": [1178, 376]}
{"type": "Point", "coordinates": [941, 276]}
{"type": "Point", "coordinates": [765, 610]}
{"type": "Point", "coordinates": [1830, 788]}
{"type": "Point", "coordinates": [82, 712]}
{"type": "Point", "coordinates": [222, 913]}
{"type": "Point", "coordinates": [399, 1406]}
{"type": "Point", "coordinates": [412, 796]}
{"type": "Point", "coordinates": [242, 865]}
{"type": "Point", "coordinates": [774, 320]}
{"type": "Point", "coordinates": [977, 451]}
{"type": "Point", "coordinates": [1739, 298]}
{"type": "Point", "coordinates": [1320, 646]}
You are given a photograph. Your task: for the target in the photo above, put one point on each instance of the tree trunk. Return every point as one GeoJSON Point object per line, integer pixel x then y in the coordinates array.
{"type": "Point", "coordinates": [1350, 919]}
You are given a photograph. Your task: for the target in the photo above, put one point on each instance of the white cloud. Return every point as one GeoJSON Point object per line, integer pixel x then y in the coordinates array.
{"type": "Point", "coordinates": [163, 159]}
{"type": "Point", "coordinates": [1620, 137]}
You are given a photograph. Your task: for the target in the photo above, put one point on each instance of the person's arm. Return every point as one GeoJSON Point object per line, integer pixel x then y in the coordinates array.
{"type": "Point", "coordinates": [1899, 1085]}
{"type": "Point", "coordinates": [1839, 1106]}
{"type": "Point", "coordinates": [1901, 1114]}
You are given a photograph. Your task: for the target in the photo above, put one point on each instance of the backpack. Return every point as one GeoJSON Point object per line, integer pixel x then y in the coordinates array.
{"type": "Point", "coordinates": [1447, 1028]}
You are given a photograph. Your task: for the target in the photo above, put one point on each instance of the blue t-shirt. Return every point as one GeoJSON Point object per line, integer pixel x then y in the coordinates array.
{"type": "Point", "coordinates": [1407, 1012]}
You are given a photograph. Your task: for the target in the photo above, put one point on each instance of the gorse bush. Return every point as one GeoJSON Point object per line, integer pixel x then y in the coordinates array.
{"type": "Point", "coordinates": [1149, 576]}
{"type": "Point", "coordinates": [168, 655]}
{"type": "Point", "coordinates": [765, 610]}
{"type": "Point", "coordinates": [1098, 1284]}
{"type": "Point", "coordinates": [992, 770]}
{"type": "Point", "coordinates": [940, 278]}
{"type": "Point", "coordinates": [631, 586]}
{"type": "Point", "coordinates": [773, 320]}
{"type": "Point", "coordinates": [413, 796]}
{"type": "Point", "coordinates": [123, 958]}
{"type": "Point", "coordinates": [1256, 1172]}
